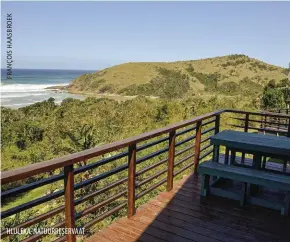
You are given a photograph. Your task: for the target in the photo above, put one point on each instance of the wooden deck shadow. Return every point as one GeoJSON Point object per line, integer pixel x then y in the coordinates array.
{"type": "Point", "coordinates": [181, 215]}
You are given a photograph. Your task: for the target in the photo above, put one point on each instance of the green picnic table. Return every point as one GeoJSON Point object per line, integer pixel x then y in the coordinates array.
{"type": "Point", "coordinates": [259, 145]}
{"type": "Point", "coordinates": [252, 143]}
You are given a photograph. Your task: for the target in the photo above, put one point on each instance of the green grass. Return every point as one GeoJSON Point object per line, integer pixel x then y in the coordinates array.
{"type": "Point", "coordinates": [27, 197]}
{"type": "Point", "coordinates": [233, 68]}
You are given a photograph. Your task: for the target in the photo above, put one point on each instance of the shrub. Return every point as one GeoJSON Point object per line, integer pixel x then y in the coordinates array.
{"type": "Point", "coordinates": [272, 98]}
{"type": "Point", "coordinates": [107, 89]}
{"type": "Point", "coordinates": [190, 69]}
{"type": "Point", "coordinates": [168, 84]}
{"type": "Point", "coordinates": [229, 88]}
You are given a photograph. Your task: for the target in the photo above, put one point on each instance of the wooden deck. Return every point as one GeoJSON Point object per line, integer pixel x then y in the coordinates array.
{"type": "Point", "coordinates": [180, 215]}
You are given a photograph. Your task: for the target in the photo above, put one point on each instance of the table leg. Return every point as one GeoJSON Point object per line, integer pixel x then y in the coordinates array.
{"type": "Point", "coordinates": [233, 157]}
{"type": "Point", "coordinates": [243, 158]}
{"type": "Point", "coordinates": [244, 194]}
{"type": "Point", "coordinates": [257, 160]}
{"type": "Point", "coordinates": [216, 152]}
{"type": "Point", "coordinates": [227, 156]}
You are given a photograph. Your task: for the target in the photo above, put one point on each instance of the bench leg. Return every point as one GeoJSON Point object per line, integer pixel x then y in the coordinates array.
{"type": "Point", "coordinates": [244, 194]}
{"type": "Point", "coordinates": [216, 152]}
{"type": "Point", "coordinates": [205, 186]}
{"type": "Point", "coordinates": [264, 162]}
{"type": "Point", "coordinates": [285, 165]}
{"type": "Point", "coordinates": [254, 190]}
{"type": "Point", "coordinates": [286, 209]}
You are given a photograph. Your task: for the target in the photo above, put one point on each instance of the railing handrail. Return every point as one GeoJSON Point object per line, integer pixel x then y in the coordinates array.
{"type": "Point", "coordinates": [45, 166]}
{"type": "Point", "coordinates": [261, 113]}
{"type": "Point", "coordinates": [280, 110]}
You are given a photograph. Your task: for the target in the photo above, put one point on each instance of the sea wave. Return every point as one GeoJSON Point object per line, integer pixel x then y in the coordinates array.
{"type": "Point", "coordinates": [20, 104]}
{"type": "Point", "coordinates": [26, 88]}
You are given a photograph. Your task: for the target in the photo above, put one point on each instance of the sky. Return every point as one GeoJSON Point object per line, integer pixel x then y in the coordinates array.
{"type": "Point", "coordinates": [96, 35]}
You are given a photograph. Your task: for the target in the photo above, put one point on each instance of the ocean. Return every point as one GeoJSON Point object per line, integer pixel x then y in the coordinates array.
{"type": "Point", "coordinates": [29, 86]}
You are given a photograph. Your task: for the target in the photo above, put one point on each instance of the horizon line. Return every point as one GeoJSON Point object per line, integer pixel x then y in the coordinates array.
{"type": "Point", "coordinates": [49, 69]}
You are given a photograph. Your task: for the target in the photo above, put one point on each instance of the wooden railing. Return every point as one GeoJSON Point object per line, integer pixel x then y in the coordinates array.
{"type": "Point", "coordinates": [274, 124]}
{"type": "Point", "coordinates": [131, 171]}
{"type": "Point", "coordinates": [283, 110]}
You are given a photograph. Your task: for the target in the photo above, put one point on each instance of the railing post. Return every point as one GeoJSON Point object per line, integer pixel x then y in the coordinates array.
{"type": "Point", "coordinates": [288, 133]}
{"type": "Point", "coordinates": [216, 148]}
{"type": "Point", "coordinates": [171, 154]}
{"type": "Point", "coordinates": [265, 123]}
{"type": "Point", "coordinates": [69, 201]}
{"type": "Point", "coordinates": [131, 180]}
{"type": "Point", "coordinates": [246, 123]}
{"type": "Point", "coordinates": [246, 128]}
{"type": "Point", "coordinates": [197, 145]}
{"type": "Point", "coordinates": [279, 120]}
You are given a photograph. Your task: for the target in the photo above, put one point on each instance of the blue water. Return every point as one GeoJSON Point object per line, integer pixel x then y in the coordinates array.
{"type": "Point", "coordinates": [29, 86]}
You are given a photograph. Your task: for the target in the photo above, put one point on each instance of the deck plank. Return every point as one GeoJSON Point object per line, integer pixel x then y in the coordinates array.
{"type": "Point", "coordinates": [194, 228]}
{"type": "Point", "coordinates": [227, 232]}
{"type": "Point", "coordinates": [232, 220]}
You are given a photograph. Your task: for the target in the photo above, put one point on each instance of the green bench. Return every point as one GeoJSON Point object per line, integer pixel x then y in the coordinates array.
{"type": "Point", "coordinates": [246, 176]}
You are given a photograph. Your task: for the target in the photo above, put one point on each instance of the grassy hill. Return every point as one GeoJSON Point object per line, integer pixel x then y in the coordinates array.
{"type": "Point", "coordinates": [229, 75]}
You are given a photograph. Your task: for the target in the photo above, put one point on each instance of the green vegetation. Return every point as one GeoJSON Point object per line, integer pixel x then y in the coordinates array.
{"type": "Point", "coordinates": [246, 88]}
{"type": "Point", "coordinates": [276, 95]}
{"type": "Point", "coordinates": [45, 130]}
{"type": "Point", "coordinates": [168, 84]}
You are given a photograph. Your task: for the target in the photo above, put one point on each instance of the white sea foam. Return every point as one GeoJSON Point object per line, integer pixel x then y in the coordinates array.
{"type": "Point", "coordinates": [20, 94]}
{"type": "Point", "coordinates": [30, 86]}
{"type": "Point", "coordinates": [8, 88]}
{"type": "Point", "coordinates": [21, 104]}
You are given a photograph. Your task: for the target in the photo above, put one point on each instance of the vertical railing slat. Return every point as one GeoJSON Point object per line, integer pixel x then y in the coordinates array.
{"type": "Point", "coordinates": [131, 180]}
{"type": "Point", "coordinates": [171, 154]}
{"type": "Point", "coordinates": [69, 201]}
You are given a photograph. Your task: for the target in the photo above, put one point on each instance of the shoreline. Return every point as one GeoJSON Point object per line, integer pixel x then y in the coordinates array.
{"type": "Point", "coordinates": [61, 89]}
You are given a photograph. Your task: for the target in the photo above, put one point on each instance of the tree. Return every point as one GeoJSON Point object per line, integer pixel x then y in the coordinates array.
{"type": "Point", "coordinates": [273, 98]}
{"type": "Point", "coordinates": [82, 138]}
